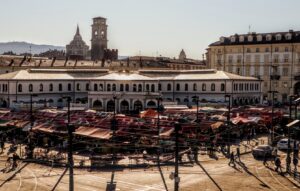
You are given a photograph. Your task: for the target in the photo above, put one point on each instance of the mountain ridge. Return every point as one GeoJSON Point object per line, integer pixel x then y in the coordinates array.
{"type": "Point", "coordinates": [20, 47]}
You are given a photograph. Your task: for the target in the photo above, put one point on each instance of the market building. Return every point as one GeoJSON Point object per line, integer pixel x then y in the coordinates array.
{"type": "Point", "coordinates": [132, 90]}
{"type": "Point", "coordinates": [272, 57]}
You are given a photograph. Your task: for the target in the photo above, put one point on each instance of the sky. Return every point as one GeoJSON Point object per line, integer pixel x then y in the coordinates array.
{"type": "Point", "coordinates": [145, 27]}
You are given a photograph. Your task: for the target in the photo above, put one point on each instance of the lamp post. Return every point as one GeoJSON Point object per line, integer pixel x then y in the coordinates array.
{"type": "Point", "coordinates": [196, 100]}
{"type": "Point", "coordinates": [288, 158]}
{"type": "Point", "coordinates": [176, 174]}
{"type": "Point", "coordinates": [70, 145]}
{"type": "Point", "coordinates": [228, 99]}
{"type": "Point", "coordinates": [159, 99]}
{"type": "Point", "coordinates": [30, 145]}
{"type": "Point", "coordinates": [272, 114]}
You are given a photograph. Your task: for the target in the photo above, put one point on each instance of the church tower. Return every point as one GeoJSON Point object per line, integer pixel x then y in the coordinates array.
{"type": "Point", "coordinates": [99, 38]}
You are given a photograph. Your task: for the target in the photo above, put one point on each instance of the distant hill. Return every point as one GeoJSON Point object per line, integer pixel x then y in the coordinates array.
{"type": "Point", "coordinates": [24, 47]}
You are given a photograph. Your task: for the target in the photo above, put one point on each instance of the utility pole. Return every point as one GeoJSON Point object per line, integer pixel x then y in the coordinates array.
{"type": "Point", "coordinates": [176, 175]}
{"type": "Point", "coordinates": [30, 144]}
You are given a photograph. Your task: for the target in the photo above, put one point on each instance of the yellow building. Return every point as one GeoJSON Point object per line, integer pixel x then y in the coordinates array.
{"type": "Point", "coordinates": [272, 57]}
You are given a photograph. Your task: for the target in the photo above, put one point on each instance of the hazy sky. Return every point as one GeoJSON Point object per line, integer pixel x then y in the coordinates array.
{"type": "Point", "coordinates": [149, 27]}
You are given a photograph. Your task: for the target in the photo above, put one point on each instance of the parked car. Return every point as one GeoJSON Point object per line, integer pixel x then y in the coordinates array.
{"type": "Point", "coordinates": [283, 144]}
{"type": "Point", "coordinates": [262, 150]}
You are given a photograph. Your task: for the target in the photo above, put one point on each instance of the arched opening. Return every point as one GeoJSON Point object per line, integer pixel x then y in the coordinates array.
{"type": "Point", "coordinates": [20, 88]}
{"type": "Point", "coordinates": [137, 106]}
{"type": "Point", "coordinates": [246, 102]}
{"type": "Point", "coordinates": [78, 100]}
{"type": "Point", "coordinates": [110, 106]}
{"type": "Point", "coordinates": [235, 102]}
{"type": "Point", "coordinates": [251, 101]}
{"type": "Point", "coordinates": [124, 107]}
{"type": "Point", "coordinates": [4, 103]}
{"type": "Point", "coordinates": [178, 100]}
{"type": "Point", "coordinates": [297, 88]}
{"type": "Point", "coordinates": [151, 104]}
{"type": "Point", "coordinates": [97, 104]}
{"type": "Point", "coordinates": [241, 102]}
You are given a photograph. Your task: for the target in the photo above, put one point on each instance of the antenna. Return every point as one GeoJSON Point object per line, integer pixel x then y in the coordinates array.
{"type": "Point", "coordinates": [249, 28]}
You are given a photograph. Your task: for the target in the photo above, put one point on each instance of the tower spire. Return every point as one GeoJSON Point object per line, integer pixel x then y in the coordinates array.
{"type": "Point", "coordinates": [77, 30]}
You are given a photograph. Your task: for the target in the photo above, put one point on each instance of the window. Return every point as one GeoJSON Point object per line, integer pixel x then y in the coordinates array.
{"type": "Point", "coordinates": [41, 87]}
{"type": "Point", "coordinates": [259, 38]}
{"type": "Point", "coordinates": [286, 49]}
{"type": "Point", "coordinates": [267, 50]}
{"type": "Point", "coordinates": [30, 87]}
{"type": "Point", "coordinates": [147, 87]}
{"type": "Point", "coordinates": [250, 38]}
{"type": "Point", "coordinates": [152, 88]}
{"type": "Point", "coordinates": [278, 37]}
{"type": "Point", "coordinates": [286, 58]}
{"type": "Point", "coordinates": [108, 87]}
{"type": "Point", "coordinates": [134, 88]}
{"type": "Point", "coordinates": [194, 87]}
{"type": "Point", "coordinates": [284, 84]}
{"type": "Point", "coordinates": [257, 50]}
{"type": "Point", "coordinates": [203, 87]}
{"type": "Point", "coordinates": [100, 87]}
{"type": "Point", "coordinates": [127, 87]}
{"type": "Point", "coordinates": [232, 39]}
{"type": "Point", "coordinates": [169, 87]}
{"type": "Point", "coordinates": [285, 71]}
{"type": "Point", "coordinates": [288, 36]}
{"type": "Point", "coordinates": [60, 87]}
{"type": "Point", "coordinates": [78, 87]}
{"type": "Point", "coordinates": [95, 87]}
{"type": "Point", "coordinates": [222, 87]}
{"type": "Point", "coordinates": [20, 88]}
{"type": "Point", "coordinates": [212, 87]}
{"type": "Point", "coordinates": [114, 87]}
{"type": "Point", "coordinates": [186, 87]}
{"type": "Point", "coordinates": [177, 87]}
{"type": "Point", "coordinates": [69, 87]}
{"type": "Point", "coordinates": [241, 39]}
{"type": "Point", "coordinates": [269, 37]}
{"type": "Point", "coordinates": [248, 50]}
{"type": "Point", "coordinates": [87, 87]}
{"type": "Point", "coordinates": [121, 87]}
{"type": "Point", "coordinates": [50, 87]}
{"type": "Point", "coordinates": [276, 49]}
{"type": "Point", "coordinates": [140, 89]}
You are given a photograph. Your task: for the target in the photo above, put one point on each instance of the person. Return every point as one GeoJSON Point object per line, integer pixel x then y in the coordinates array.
{"type": "Point", "coordinates": [231, 159]}
{"type": "Point", "coordinates": [2, 145]}
{"type": "Point", "coordinates": [248, 138]}
{"type": "Point", "coordinates": [278, 164]}
{"type": "Point", "coordinates": [265, 159]}
{"type": "Point", "coordinates": [238, 154]}
{"type": "Point", "coordinates": [295, 162]}
{"type": "Point", "coordinates": [15, 157]}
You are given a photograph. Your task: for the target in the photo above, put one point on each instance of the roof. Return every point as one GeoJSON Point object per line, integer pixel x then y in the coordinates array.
{"type": "Point", "coordinates": [142, 75]}
{"type": "Point", "coordinates": [124, 76]}
{"type": "Point", "coordinates": [295, 37]}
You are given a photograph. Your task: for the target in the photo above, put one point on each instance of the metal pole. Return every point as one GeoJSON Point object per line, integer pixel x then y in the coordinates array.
{"type": "Point", "coordinates": [176, 175]}
{"type": "Point", "coordinates": [158, 128]}
{"type": "Point", "coordinates": [197, 131]}
{"type": "Point", "coordinates": [70, 149]}
{"type": "Point", "coordinates": [272, 121]}
{"type": "Point", "coordinates": [288, 158]}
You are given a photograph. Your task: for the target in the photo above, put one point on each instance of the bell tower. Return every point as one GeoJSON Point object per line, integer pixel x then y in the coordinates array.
{"type": "Point", "coordinates": [99, 38]}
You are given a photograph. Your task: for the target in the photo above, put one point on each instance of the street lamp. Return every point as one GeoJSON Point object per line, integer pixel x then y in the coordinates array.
{"type": "Point", "coordinates": [272, 119]}
{"type": "Point", "coordinates": [228, 99]}
{"type": "Point", "coordinates": [70, 145]}
{"type": "Point", "coordinates": [30, 144]}
{"type": "Point", "coordinates": [196, 100]}
{"type": "Point", "coordinates": [159, 99]}
{"type": "Point", "coordinates": [288, 158]}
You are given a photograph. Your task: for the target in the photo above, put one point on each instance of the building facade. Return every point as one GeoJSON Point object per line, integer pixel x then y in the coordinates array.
{"type": "Point", "coordinates": [133, 89]}
{"type": "Point", "coordinates": [99, 38]}
{"type": "Point", "coordinates": [77, 49]}
{"type": "Point", "coordinates": [272, 57]}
